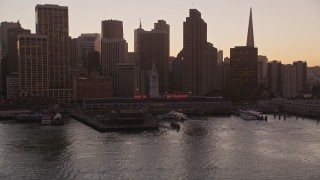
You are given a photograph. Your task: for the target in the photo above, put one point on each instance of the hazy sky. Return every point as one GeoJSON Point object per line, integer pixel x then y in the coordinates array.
{"type": "Point", "coordinates": [286, 30]}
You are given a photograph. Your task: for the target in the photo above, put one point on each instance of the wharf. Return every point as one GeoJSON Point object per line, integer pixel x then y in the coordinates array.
{"type": "Point", "coordinates": [149, 124]}
{"type": "Point", "coordinates": [11, 114]}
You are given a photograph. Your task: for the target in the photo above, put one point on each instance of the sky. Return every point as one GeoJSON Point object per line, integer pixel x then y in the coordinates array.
{"type": "Point", "coordinates": [284, 30]}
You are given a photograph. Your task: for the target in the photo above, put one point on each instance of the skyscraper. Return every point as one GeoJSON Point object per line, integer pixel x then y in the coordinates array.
{"type": "Point", "coordinates": [194, 49]}
{"type": "Point", "coordinates": [12, 36]}
{"type": "Point", "coordinates": [154, 48]}
{"type": "Point", "coordinates": [128, 76]}
{"type": "Point", "coordinates": [33, 65]}
{"type": "Point", "coordinates": [301, 70]}
{"type": "Point", "coordinates": [53, 22]}
{"type": "Point", "coordinates": [243, 69]}
{"type": "Point", "coordinates": [4, 27]}
{"type": "Point", "coordinates": [250, 38]}
{"type": "Point", "coordinates": [288, 81]}
{"type": "Point", "coordinates": [274, 77]}
{"type": "Point", "coordinates": [262, 69]}
{"type": "Point", "coordinates": [112, 29]}
{"type": "Point", "coordinates": [88, 42]}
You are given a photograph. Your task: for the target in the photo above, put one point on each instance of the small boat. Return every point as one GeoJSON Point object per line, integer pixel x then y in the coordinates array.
{"type": "Point", "coordinates": [174, 115]}
{"type": "Point", "coordinates": [175, 125]}
{"type": "Point", "coordinates": [251, 115]}
{"type": "Point", "coordinates": [57, 120]}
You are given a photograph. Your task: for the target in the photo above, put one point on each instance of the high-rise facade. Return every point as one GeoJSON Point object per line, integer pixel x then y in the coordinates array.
{"type": "Point", "coordinates": [88, 42]}
{"type": "Point", "coordinates": [128, 75]}
{"type": "Point", "coordinates": [301, 70]}
{"type": "Point", "coordinates": [194, 49]}
{"type": "Point", "coordinates": [243, 69]}
{"type": "Point", "coordinates": [53, 22]}
{"type": "Point", "coordinates": [113, 51]}
{"type": "Point", "coordinates": [33, 65]}
{"type": "Point", "coordinates": [12, 39]}
{"type": "Point", "coordinates": [288, 81]}
{"type": "Point", "coordinates": [274, 77]}
{"type": "Point", "coordinates": [112, 29]}
{"type": "Point", "coordinates": [4, 27]}
{"type": "Point", "coordinates": [262, 69]}
{"type": "Point", "coordinates": [154, 48]}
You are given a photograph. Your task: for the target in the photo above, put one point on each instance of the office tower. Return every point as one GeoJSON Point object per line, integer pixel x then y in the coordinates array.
{"type": "Point", "coordinates": [112, 29]}
{"type": "Point", "coordinates": [53, 22]}
{"type": "Point", "coordinates": [94, 66]}
{"type": "Point", "coordinates": [262, 69]}
{"type": "Point", "coordinates": [88, 42]}
{"type": "Point", "coordinates": [132, 57]}
{"type": "Point", "coordinates": [274, 78]}
{"type": "Point", "coordinates": [250, 38]}
{"type": "Point", "coordinates": [225, 77]}
{"type": "Point", "coordinates": [154, 48]}
{"type": "Point", "coordinates": [113, 51]}
{"type": "Point", "coordinates": [243, 69]}
{"type": "Point", "coordinates": [301, 69]}
{"type": "Point", "coordinates": [220, 56]}
{"type": "Point", "coordinates": [177, 74]}
{"type": "Point", "coordinates": [137, 39]}
{"type": "Point", "coordinates": [128, 75]}
{"type": "Point", "coordinates": [243, 73]}
{"type": "Point", "coordinates": [12, 39]}
{"type": "Point", "coordinates": [194, 48]}
{"type": "Point", "coordinates": [4, 27]}
{"type": "Point", "coordinates": [288, 81]}
{"type": "Point", "coordinates": [10, 61]}
{"type": "Point", "coordinates": [74, 52]}
{"type": "Point", "coordinates": [13, 88]}
{"type": "Point", "coordinates": [33, 65]}
{"type": "Point", "coordinates": [211, 71]}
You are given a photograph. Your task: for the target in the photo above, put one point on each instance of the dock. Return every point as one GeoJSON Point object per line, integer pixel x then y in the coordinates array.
{"type": "Point", "coordinates": [103, 126]}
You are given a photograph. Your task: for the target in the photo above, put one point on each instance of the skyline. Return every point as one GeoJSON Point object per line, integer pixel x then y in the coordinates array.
{"type": "Point", "coordinates": [296, 39]}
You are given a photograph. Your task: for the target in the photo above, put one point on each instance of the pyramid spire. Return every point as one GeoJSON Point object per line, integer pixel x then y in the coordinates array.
{"type": "Point", "coordinates": [250, 39]}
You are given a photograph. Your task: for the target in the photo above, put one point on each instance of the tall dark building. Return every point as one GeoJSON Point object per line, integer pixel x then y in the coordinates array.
{"type": "Point", "coordinates": [243, 69]}
{"type": "Point", "coordinates": [194, 53]}
{"type": "Point", "coordinates": [154, 48]}
{"type": "Point", "coordinates": [4, 27]}
{"type": "Point", "coordinates": [274, 78]}
{"type": "Point", "coordinates": [301, 70]}
{"type": "Point", "coordinates": [13, 58]}
{"type": "Point", "coordinates": [94, 63]}
{"type": "Point", "coordinates": [112, 29]}
{"type": "Point", "coordinates": [53, 22]}
{"type": "Point", "coordinates": [211, 69]}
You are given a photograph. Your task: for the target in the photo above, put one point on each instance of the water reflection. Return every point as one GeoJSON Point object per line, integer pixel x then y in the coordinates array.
{"type": "Point", "coordinates": [204, 148]}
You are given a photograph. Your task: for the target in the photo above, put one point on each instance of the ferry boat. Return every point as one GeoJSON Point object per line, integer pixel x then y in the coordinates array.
{"type": "Point", "coordinates": [174, 115]}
